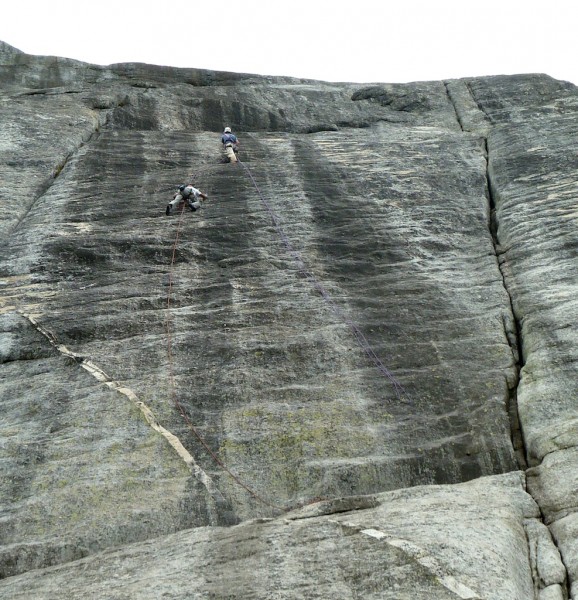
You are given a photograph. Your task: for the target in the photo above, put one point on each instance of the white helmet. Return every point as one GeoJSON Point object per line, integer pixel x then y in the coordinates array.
{"type": "Point", "coordinates": [227, 130]}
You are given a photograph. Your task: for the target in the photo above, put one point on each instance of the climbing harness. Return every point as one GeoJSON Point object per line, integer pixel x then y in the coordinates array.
{"type": "Point", "coordinates": [230, 153]}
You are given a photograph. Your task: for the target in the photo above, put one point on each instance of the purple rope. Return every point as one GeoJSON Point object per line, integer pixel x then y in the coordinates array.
{"type": "Point", "coordinates": [361, 339]}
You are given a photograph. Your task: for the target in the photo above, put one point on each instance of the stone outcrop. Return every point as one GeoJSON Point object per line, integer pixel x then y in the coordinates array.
{"type": "Point", "coordinates": [351, 373]}
{"type": "Point", "coordinates": [443, 542]}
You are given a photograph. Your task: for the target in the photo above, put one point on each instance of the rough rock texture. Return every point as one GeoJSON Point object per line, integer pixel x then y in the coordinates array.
{"type": "Point", "coordinates": [409, 544]}
{"type": "Point", "coordinates": [376, 306]}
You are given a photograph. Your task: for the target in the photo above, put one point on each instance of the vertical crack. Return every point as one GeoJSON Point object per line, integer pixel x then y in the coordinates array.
{"type": "Point", "coordinates": [512, 326]}
{"type": "Point", "coordinates": [513, 330]}
{"type": "Point", "coordinates": [453, 103]}
{"type": "Point", "coordinates": [480, 106]}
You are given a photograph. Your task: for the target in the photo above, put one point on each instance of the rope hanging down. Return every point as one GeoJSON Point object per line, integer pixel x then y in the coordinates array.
{"type": "Point", "coordinates": [358, 334]}
{"type": "Point", "coordinates": [174, 396]}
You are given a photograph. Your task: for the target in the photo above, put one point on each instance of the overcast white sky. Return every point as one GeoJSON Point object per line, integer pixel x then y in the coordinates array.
{"type": "Point", "coordinates": [332, 40]}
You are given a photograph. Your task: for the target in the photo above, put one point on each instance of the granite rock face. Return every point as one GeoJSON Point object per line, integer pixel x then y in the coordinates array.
{"type": "Point", "coordinates": [415, 543]}
{"type": "Point", "coordinates": [360, 351]}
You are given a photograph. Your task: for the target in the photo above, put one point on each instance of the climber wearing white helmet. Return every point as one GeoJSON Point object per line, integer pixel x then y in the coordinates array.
{"type": "Point", "coordinates": [230, 145]}
{"type": "Point", "coordinates": [189, 194]}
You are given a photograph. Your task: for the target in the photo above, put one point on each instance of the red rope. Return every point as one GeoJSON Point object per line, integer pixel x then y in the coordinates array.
{"type": "Point", "coordinates": [174, 396]}
{"type": "Point", "coordinates": [168, 319]}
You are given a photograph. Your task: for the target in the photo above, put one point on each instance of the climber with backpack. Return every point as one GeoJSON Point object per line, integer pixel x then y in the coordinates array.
{"type": "Point", "coordinates": [189, 194]}
{"type": "Point", "coordinates": [230, 145]}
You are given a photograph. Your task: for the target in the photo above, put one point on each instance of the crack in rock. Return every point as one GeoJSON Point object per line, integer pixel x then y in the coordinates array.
{"type": "Point", "coordinates": [149, 416]}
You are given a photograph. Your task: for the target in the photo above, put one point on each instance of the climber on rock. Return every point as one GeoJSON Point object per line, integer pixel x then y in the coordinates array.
{"type": "Point", "coordinates": [230, 145]}
{"type": "Point", "coordinates": [189, 194]}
